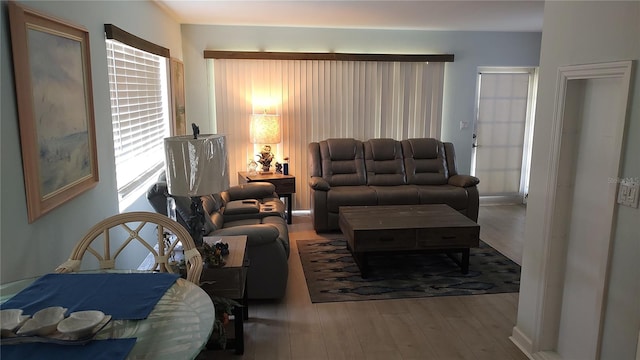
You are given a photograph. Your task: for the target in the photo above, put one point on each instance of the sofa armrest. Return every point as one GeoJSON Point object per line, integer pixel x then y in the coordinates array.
{"type": "Point", "coordinates": [258, 234]}
{"type": "Point", "coordinates": [238, 207]}
{"type": "Point", "coordinates": [318, 183]}
{"type": "Point", "coordinates": [463, 180]}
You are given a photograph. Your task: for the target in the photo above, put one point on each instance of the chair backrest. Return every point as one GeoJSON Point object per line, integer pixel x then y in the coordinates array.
{"type": "Point", "coordinates": [342, 162]}
{"type": "Point", "coordinates": [425, 161]}
{"type": "Point", "coordinates": [136, 225]}
{"type": "Point", "coordinates": [384, 162]}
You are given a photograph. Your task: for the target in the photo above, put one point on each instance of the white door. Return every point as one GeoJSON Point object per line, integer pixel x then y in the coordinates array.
{"type": "Point", "coordinates": [502, 134]}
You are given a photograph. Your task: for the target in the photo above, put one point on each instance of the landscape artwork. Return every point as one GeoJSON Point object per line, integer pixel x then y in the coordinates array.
{"type": "Point", "coordinates": [58, 106]}
{"type": "Point", "coordinates": [52, 68]}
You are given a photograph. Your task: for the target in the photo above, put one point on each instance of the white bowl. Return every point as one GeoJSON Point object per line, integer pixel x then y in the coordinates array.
{"type": "Point", "coordinates": [44, 322]}
{"type": "Point", "coordinates": [10, 320]}
{"type": "Point", "coordinates": [80, 324]}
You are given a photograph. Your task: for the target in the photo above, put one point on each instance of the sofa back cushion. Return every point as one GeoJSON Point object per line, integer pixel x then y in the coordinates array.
{"type": "Point", "coordinates": [425, 161]}
{"type": "Point", "coordinates": [342, 162]}
{"type": "Point", "coordinates": [157, 197]}
{"type": "Point", "coordinates": [254, 190]}
{"type": "Point", "coordinates": [211, 204]}
{"type": "Point", "coordinates": [384, 162]}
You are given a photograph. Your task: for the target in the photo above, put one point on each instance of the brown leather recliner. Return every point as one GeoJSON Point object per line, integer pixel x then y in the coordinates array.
{"type": "Point", "coordinates": [253, 210]}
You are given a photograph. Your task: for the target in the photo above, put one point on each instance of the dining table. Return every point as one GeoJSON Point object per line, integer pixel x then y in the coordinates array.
{"type": "Point", "coordinates": [176, 325]}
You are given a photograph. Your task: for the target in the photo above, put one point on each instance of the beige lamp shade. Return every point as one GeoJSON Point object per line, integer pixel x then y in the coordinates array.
{"type": "Point", "coordinates": [196, 167]}
{"type": "Point", "coordinates": [265, 129]}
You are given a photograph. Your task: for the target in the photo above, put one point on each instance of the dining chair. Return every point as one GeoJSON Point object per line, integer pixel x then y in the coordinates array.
{"type": "Point", "coordinates": [137, 226]}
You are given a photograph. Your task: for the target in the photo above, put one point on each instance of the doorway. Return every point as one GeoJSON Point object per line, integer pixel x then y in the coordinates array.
{"type": "Point", "coordinates": [503, 129]}
{"type": "Point", "coordinates": [586, 145]}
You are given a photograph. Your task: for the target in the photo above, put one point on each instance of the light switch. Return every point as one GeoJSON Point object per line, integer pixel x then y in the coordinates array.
{"type": "Point", "coordinates": [628, 192]}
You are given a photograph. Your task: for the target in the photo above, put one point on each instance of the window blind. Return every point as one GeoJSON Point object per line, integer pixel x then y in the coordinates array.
{"type": "Point", "coordinates": [139, 113]}
{"type": "Point", "coordinates": [320, 99]}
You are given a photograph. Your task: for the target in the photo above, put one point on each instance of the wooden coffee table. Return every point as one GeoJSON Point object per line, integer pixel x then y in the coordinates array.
{"type": "Point", "coordinates": [396, 228]}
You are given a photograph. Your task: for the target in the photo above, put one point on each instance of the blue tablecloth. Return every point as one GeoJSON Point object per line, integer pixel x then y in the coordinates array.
{"type": "Point", "coordinates": [129, 296]}
{"type": "Point", "coordinates": [111, 349]}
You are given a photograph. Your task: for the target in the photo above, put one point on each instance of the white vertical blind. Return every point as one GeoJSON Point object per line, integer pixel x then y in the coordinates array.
{"type": "Point", "coordinates": [139, 113]}
{"type": "Point", "coordinates": [321, 99]}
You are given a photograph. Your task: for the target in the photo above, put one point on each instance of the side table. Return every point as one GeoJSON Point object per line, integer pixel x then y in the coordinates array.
{"type": "Point", "coordinates": [230, 281]}
{"type": "Point", "coordinates": [285, 185]}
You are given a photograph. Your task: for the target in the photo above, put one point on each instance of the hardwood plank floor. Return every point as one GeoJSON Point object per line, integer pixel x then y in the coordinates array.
{"type": "Point", "coordinates": [439, 328]}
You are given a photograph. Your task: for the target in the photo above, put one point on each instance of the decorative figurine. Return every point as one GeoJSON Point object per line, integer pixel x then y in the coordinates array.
{"type": "Point", "coordinates": [252, 167]}
{"type": "Point", "coordinates": [266, 157]}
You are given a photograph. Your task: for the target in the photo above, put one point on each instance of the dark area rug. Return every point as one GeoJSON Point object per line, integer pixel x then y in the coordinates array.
{"type": "Point", "coordinates": [332, 274]}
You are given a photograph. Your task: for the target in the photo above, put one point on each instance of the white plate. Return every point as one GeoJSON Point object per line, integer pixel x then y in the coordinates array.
{"type": "Point", "coordinates": [80, 324]}
{"type": "Point", "coordinates": [10, 320]}
{"type": "Point", "coordinates": [44, 322]}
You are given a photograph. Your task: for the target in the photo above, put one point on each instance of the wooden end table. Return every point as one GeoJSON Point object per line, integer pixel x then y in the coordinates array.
{"type": "Point", "coordinates": [285, 185]}
{"type": "Point", "coordinates": [230, 281]}
{"type": "Point", "coordinates": [396, 228]}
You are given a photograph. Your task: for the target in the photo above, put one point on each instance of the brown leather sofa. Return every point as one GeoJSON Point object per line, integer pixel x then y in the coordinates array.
{"type": "Point", "coordinates": [350, 172]}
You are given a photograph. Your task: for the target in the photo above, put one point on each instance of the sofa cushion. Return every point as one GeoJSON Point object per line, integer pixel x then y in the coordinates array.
{"type": "Point", "coordinates": [454, 196]}
{"type": "Point", "coordinates": [343, 162]}
{"type": "Point", "coordinates": [254, 190]}
{"type": "Point", "coordinates": [425, 161]}
{"type": "Point", "coordinates": [157, 197]}
{"type": "Point", "coordinates": [246, 206]}
{"type": "Point", "coordinates": [211, 204]}
{"type": "Point", "coordinates": [397, 195]}
{"type": "Point", "coordinates": [384, 162]}
{"type": "Point", "coordinates": [350, 196]}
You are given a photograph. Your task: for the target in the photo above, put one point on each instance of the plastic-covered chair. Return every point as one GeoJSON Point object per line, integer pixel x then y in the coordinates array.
{"type": "Point", "coordinates": [137, 225]}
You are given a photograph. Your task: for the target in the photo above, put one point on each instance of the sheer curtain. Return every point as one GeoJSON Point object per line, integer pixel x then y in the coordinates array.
{"type": "Point", "coordinates": [320, 99]}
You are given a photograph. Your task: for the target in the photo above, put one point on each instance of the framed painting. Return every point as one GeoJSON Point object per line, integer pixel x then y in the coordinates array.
{"type": "Point", "coordinates": [178, 113]}
{"type": "Point", "coordinates": [52, 71]}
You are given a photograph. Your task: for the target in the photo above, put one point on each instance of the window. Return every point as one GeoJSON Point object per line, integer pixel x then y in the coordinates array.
{"type": "Point", "coordinates": [320, 99]}
{"type": "Point", "coordinates": [503, 132]}
{"type": "Point", "coordinates": [140, 116]}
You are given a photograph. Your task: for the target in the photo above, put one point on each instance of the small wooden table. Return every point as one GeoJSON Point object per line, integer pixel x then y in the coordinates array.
{"type": "Point", "coordinates": [229, 281]}
{"type": "Point", "coordinates": [285, 185]}
{"type": "Point", "coordinates": [395, 228]}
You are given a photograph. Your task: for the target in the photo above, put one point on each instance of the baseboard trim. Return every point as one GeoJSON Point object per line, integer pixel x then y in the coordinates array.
{"type": "Point", "coordinates": [522, 341]}
{"type": "Point", "coordinates": [547, 355]}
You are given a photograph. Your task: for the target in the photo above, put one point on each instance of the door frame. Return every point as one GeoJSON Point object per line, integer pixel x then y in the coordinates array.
{"type": "Point", "coordinates": [527, 146]}
{"type": "Point", "coordinates": [549, 294]}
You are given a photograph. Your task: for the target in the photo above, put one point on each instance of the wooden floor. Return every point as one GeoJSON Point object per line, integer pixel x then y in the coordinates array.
{"type": "Point", "coordinates": [439, 328]}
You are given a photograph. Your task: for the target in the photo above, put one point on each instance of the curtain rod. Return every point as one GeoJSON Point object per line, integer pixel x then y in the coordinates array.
{"type": "Point", "coordinates": [115, 33]}
{"type": "Point", "coordinates": [264, 55]}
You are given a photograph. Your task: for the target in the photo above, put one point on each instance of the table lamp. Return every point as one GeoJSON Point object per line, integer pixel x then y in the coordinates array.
{"type": "Point", "coordinates": [196, 166]}
{"type": "Point", "coordinates": [265, 130]}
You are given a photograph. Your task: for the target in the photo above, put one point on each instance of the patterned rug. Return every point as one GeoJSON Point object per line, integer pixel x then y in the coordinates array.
{"type": "Point", "coordinates": [332, 274]}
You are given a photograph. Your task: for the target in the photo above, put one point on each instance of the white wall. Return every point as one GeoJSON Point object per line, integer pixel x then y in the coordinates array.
{"type": "Point", "coordinates": [577, 32]}
{"type": "Point", "coordinates": [34, 249]}
{"type": "Point", "coordinates": [471, 49]}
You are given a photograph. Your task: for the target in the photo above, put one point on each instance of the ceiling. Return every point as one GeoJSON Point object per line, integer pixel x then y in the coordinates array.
{"type": "Point", "coordinates": [473, 15]}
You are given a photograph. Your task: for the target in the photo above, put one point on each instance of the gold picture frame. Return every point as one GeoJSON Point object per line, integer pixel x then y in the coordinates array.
{"type": "Point", "coordinates": [54, 94]}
